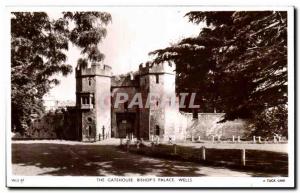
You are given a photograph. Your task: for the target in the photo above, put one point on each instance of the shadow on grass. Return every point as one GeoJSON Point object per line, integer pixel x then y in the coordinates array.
{"type": "Point", "coordinates": [94, 160]}
{"type": "Point", "coordinates": [258, 163]}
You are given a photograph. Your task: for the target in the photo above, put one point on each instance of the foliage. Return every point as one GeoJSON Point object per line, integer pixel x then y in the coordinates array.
{"type": "Point", "coordinates": [270, 122]}
{"type": "Point", "coordinates": [88, 32]}
{"type": "Point", "coordinates": [237, 63]}
{"type": "Point", "coordinates": [38, 51]}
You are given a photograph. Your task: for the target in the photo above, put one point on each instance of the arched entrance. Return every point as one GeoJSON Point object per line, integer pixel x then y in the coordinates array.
{"type": "Point", "coordinates": [126, 125]}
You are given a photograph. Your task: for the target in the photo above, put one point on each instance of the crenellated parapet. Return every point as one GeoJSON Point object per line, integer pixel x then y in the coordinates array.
{"type": "Point", "coordinates": [161, 68]}
{"type": "Point", "coordinates": [96, 69]}
{"type": "Point", "coordinates": [125, 80]}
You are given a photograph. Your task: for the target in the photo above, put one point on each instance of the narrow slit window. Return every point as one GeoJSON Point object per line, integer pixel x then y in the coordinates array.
{"type": "Point", "coordinates": [93, 100]}
{"type": "Point", "coordinates": [195, 115]}
{"type": "Point", "coordinates": [157, 78]}
{"type": "Point", "coordinates": [126, 105]}
{"type": "Point", "coordinates": [157, 130]}
{"type": "Point", "coordinates": [90, 131]}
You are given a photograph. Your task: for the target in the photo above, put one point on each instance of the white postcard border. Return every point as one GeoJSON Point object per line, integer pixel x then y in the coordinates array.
{"type": "Point", "coordinates": [213, 182]}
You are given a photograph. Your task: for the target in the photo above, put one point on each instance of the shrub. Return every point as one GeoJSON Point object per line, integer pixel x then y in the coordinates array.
{"type": "Point", "coordinates": [272, 121]}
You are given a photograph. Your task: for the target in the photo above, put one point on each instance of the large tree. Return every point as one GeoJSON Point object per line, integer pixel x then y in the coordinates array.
{"type": "Point", "coordinates": [38, 51]}
{"type": "Point", "coordinates": [238, 62]}
{"type": "Point", "coordinates": [88, 31]}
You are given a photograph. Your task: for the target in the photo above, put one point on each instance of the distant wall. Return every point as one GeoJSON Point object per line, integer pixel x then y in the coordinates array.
{"type": "Point", "coordinates": [206, 126]}
{"type": "Point", "coordinates": [179, 126]}
{"type": "Point", "coordinates": [58, 125]}
{"type": "Point", "coordinates": [46, 127]}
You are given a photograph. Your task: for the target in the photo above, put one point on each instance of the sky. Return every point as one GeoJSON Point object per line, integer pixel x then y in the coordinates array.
{"type": "Point", "coordinates": [130, 37]}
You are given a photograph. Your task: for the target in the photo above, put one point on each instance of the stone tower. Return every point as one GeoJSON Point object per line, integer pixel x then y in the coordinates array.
{"type": "Point", "coordinates": [158, 81]}
{"type": "Point", "coordinates": [93, 101]}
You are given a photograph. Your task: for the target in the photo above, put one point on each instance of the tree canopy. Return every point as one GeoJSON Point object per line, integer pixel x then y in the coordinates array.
{"type": "Point", "coordinates": [38, 51]}
{"type": "Point", "coordinates": [89, 31]}
{"type": "Point", "coordinates": [237, 63]}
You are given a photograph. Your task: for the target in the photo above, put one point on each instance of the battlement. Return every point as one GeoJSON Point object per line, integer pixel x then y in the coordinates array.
{"type": "Point", "coordinates": [125, 80]}
{"type": "Point", "coordinates": [164, 67]}
{"type": "Point", "coordinates": [96, 69]}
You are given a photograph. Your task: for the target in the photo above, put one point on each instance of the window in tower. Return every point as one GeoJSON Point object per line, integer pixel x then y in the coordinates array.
{"type": "Point", "coordinates": [157, 78]}
{"type": "Point", "coordinates": [85, 100]}
{"type": "Point", "coordinates": [126, 105]}
{"type": "Point", "coordinates": [93, 99]}
{"type": "Point", "coordinates": [90, 131]}
{"type": "Point", "coordinates": [195, 115]}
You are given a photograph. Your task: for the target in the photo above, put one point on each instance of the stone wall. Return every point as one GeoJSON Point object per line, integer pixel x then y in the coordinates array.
{"type": "Point", "coordinates": [103, 106]}
{"type": "Point", "coordinates": [207, 125]}
{"type": "Point", "coordinates": [179, 126]}
{"type": "Point", "coordinates": [144, 118]}
{"type": "Point", "coordinates": [72, 124]}
{"type": "Point", "coordinates": [56, 125]}
{"type": "Point", "coordinates": [50, 126]}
